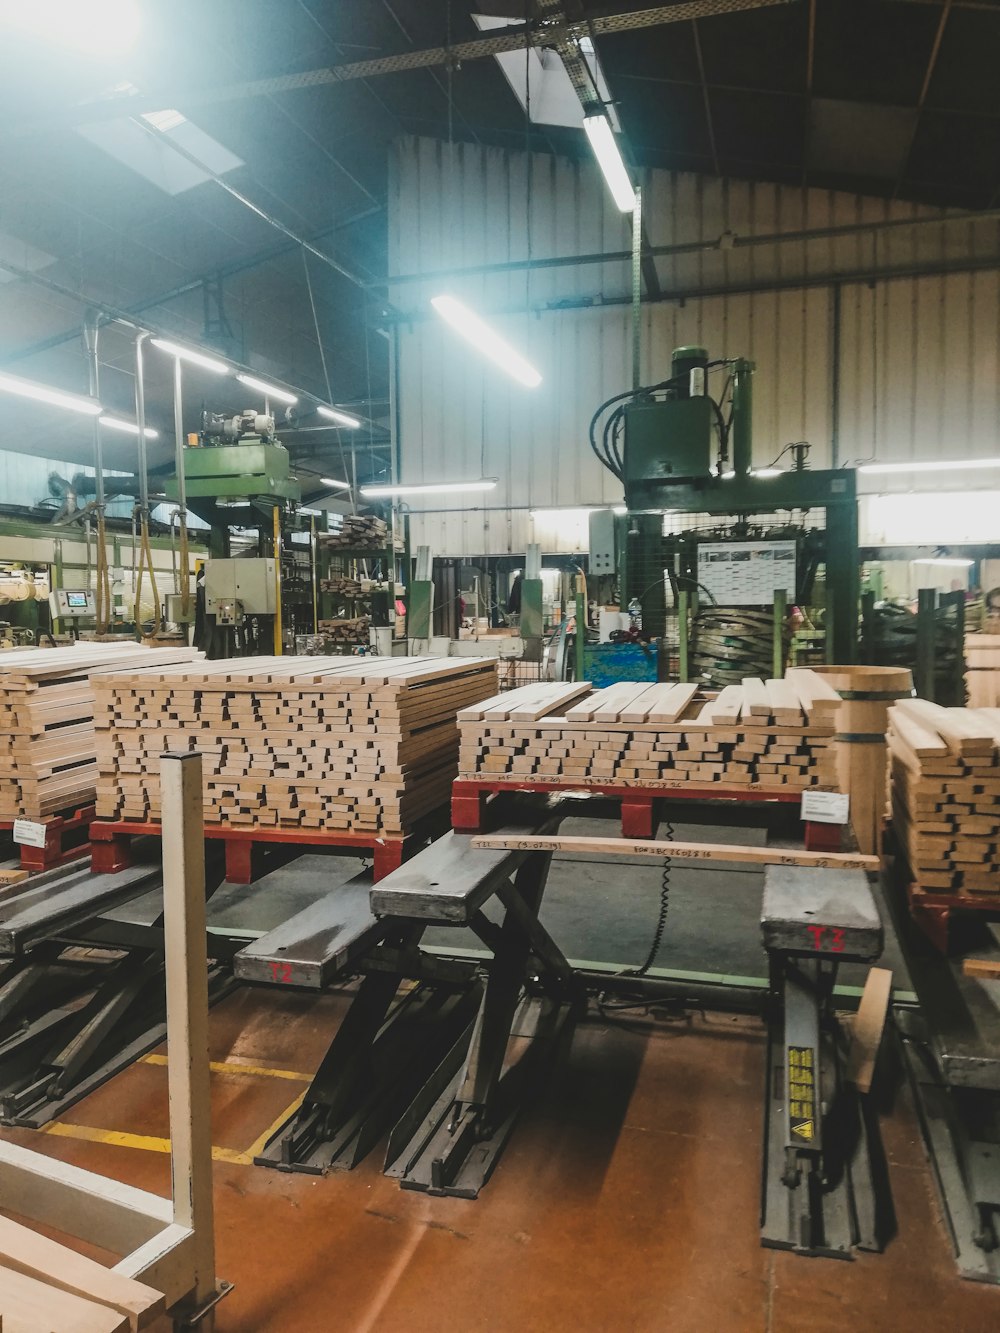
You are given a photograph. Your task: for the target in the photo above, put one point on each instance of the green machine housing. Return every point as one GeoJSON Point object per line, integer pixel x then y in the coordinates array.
{"type": "Point", "coordinates": [676, 459]}
{"type": "Point", "coordinates": [236, 471]}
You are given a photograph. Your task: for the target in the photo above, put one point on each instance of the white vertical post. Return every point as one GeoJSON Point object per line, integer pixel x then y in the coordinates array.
{"type": "Point", "coordinates": [187, 1011]}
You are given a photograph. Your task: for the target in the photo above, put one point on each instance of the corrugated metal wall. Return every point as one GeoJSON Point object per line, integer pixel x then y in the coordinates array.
{"type": "Point", "coordinates": [917, 373]}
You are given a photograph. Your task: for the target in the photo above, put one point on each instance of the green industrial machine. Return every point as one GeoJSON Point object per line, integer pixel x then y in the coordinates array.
{"type": "Point", "coordinates": [236, 475]}
{"type": "Point", "coordinates": [233, 459]}
{"type": "Point", "coordinates": [676, 448]}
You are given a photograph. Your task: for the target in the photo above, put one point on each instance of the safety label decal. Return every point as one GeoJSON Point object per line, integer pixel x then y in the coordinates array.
{"type": "Point", "coordinates": [801, 1093]}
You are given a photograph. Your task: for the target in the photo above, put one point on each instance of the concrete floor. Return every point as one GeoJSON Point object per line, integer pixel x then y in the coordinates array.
{"type": "Point", "coordinates": [627, 1198]}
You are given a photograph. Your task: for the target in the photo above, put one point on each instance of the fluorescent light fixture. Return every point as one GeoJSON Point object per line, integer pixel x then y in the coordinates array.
{"type": "Point", "coordinates": [431, 488]}
{"type": "Point", "coordinates": [619, 510]}
{"type": "Point", "coordinates": [486, 340]}
{"type": "Point", "coordinates": [99, 27]}
{"type": "Point", "coordinates": [341, 418]}
{"type": "Point", "coordinates": [951, 561]}
{"type": "Point", "coordinates": [76, 402]}
{"type": "Point", "coordinates": [282, 395]}
{"type": "Point", "coordinates": [196, 358]}
{"type": "Point", "coordinates": [129, 427]}
{"type": "Point", "coordinates": [727, 476]}
{"type": "Point", "coordinates": [339, 485]}
{"type": "Point", "coordinates": [935, 465]}
{"type": "Point", "coordinates": [164, 121]}
{"type": "Point", "coordinates": [609, 159]}
{"type": "Point", "coordinates": [766, 472]}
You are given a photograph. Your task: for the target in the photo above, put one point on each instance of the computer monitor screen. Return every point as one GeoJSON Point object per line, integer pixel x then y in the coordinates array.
{"type": "Point", "coordinates": [76, 601]}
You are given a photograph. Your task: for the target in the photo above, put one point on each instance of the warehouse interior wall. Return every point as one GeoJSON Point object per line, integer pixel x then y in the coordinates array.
{"type": "Point", "coordinates": [874, 346]}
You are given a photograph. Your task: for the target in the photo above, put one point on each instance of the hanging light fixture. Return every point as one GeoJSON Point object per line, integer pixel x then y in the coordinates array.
{"type": "Point", "coordinates": [486, 340]}
{"type": "Point", "coordinates": [610, 160]}
{"type": "Point", "coordinates": [44, 393]}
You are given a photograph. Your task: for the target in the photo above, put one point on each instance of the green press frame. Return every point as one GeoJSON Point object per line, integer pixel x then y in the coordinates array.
{"type": "Point", "coordinates": [745, 494]}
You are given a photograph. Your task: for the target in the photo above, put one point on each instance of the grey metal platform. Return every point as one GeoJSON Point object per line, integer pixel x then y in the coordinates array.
{"type": "Point", "coordinates": [821, 911]}
{"type": "Point", "coordinates": [311, 948]}
{"type": "Point", "coordinates": [58, 904]}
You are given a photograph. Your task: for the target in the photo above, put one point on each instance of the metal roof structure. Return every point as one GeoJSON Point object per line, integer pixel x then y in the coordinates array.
{"type": "Point", "coordinates": [252, 219]}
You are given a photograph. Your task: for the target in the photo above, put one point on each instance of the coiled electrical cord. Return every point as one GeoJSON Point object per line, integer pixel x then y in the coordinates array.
{"type": "Point", "coordinates": [661, 920]}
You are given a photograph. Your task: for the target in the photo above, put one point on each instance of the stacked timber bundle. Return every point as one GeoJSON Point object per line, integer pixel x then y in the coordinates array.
{"type": "Point", "coordinates": [945, 775]}
{"type": "Point", "coordinates": [47, 749]}
{"type": "Point", "coordinates": [757, 735]}
{"type": "Point", "coordinates": [342, 585]}
{"type": "Point", "coordinates": [982, 670]}
{"type": "Point", "coordinates": [357, 532]}
{"type": "Point", "coordinates": [339, 635]}
{"type": "Point", "coordinates": [364, 744]}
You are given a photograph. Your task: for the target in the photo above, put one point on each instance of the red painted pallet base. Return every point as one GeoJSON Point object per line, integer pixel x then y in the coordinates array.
{"type": "Point", "coordinates": [111, 846]}
{"type": "Point", "coordinates": [66, 838]}
{"type": "Point", "coordinates": [469, 796]}
{"type": "Point", "coordinates": [932, 909]}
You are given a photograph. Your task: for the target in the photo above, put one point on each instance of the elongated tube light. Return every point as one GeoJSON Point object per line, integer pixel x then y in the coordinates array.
{"type": "Point", "coordinates": [609, 159]}
{"type": "Point", "coordinates": [338, 485]}
{"type": "Point", "coordinates": [486, 340]}
{"type": "Point", "coordinates": [931, 465]}
{"type": "Point", "coordinates": [269, 390]}
{"type": "Point", "coordinates": [43, 393]}
{"type": "Point", "coordinates": [430, 488]}
{"type": "Point", "coordinates": [129, 427]}
{"type": "Point", "coordinates": [341, 418]}
{"type": "Point", "coordinates": [188, 354]}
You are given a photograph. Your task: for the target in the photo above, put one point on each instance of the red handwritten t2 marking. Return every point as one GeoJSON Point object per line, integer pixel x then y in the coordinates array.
{"type": "Point", "coordinates": [282, 971]}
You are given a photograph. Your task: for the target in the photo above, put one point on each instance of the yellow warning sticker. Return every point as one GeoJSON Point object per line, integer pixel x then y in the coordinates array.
{"type": "Point", "coordinates": [801, 1093]}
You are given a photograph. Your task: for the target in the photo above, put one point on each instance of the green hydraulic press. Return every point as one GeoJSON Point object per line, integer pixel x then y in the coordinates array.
{"type": "Point", "coordinates": [676, 448]}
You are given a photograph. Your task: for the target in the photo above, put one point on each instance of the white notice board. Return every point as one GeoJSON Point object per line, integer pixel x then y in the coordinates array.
{"type": "Point", "coordinates": [746, 573]}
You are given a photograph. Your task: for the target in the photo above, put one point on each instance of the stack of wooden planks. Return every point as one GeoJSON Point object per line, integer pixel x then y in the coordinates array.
{"type": "Point", "coordinates": [982, 670]}
{"type": "Point", "coordinates": [342, 585]}
{"type": "Point", "coordinates": [945, 776]}
{"type": "Point", "coordinates": [352, 632]}
{"type": "Point", "coordinates": [761, 734]}
{"type": "Point", "coordinates": [357, 532]}
{"type": "Point", "coordinates": [47, 749]}
{"type": "Point", "coordinates": [362, 744]}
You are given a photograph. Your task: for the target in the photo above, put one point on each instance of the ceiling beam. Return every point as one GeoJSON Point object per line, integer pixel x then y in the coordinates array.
{"type": "Point", "coordinates": [924, 88]}
{"type": "Point", "coordinates": [538, 32]}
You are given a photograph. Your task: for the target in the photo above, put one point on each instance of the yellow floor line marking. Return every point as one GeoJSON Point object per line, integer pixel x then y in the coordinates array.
{"type": "Point", "coordinates": [273, 1128]}
{"type": "Point", "coordinates": [231, 1067]}
{"type": "Point", "coordinates": [146, 1142]}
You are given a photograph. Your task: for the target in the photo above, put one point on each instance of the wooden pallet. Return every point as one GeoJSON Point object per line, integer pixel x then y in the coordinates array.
{"type": "Point", "coordinates": [67, 837]}
{"type": "Point", "coordinates": [111, 844]}
{"type": "Point", "coordinates": [763, 735]}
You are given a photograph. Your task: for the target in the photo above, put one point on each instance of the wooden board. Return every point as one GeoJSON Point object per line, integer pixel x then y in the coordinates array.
{"type": "Point", "coordinates": [36, 1256]}
{"type": "Point", "coordinates": [866, 1032]}
{"type": "Point", "coordinates": [678, 851]}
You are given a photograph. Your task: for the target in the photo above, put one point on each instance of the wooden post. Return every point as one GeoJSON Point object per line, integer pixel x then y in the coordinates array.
{"type": "Point", "coordinates": [581, 627]}
{"type": "Point", "coordinates": [187, 1011]}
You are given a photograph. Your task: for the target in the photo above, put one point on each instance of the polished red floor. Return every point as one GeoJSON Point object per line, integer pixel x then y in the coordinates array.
{"type": "Point", "coordinates": [627, 1200]}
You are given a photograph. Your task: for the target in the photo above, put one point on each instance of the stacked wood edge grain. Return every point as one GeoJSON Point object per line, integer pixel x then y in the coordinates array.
{"type": "Point", "coordinates": [758, 735]}
{"type": "Point", "coordinates": [945, 779]}
{"type": "Point", "coordinates": [982, 670]}
{"type": "Point", "coordinates": [47, 749]}
{"type": "Point", "coordinates": [360, 744]}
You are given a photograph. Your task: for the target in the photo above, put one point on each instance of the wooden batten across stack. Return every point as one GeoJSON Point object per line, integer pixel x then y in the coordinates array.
{"type": "Point", "coordinates": [945, 776]}
{"type": "Point", "coordinates": [982, 670]}
{"type": "Point", "coordinates": [47, 749]}
{"type": "Point", "coordinates": [760, 735]}
{"type": "Point", "coordinates": [360, 744]}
